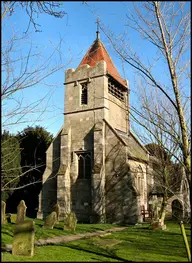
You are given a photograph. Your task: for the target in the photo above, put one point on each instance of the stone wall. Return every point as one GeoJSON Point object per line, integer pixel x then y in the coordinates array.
{"type": "Point", "coordinates": [48, 194]}
{"type": "Point", "coordinates": [95, 79]}
{"type": "Point", "coordinates": [109, 194]}
{"type": "Point", "coordinates": [118, 113]}
{"type": "Point", "coordinates": [135, 167]}
{"type": "Point", "coordinates": [121, 199]}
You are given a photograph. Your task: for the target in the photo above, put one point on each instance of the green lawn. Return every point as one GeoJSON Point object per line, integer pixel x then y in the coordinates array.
{"type": "Point", "coordinates": [137, 243]}
{"type": "Point", "coordinates": [40, 233]}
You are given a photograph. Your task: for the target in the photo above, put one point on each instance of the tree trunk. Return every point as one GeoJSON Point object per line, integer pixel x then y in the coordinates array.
{"type": "Point", "coordinates": [163, 210]}
{"type": "Point", "coordinates": [182, 121]}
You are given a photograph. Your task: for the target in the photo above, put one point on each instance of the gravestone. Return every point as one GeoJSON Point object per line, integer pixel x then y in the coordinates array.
{"type": "Point", "coordinates": [70, 221]}
{"type": "Point", "coordinates": [21, 212]}
{"type": "Point", "coordinates": [24, 238]}
{"type": "Point", "coordinates": [3, 208]}
{"type": "Point", "coordinates": [156, 213]}
{"type": "Point", "coordinates": [105, 242]}
{"type": "Point", "coordinates": [155, 225]}
{"type": "Point", "coordinates": [50, 220]}
{"type": "Point", "coordinates": [56, 208]}
{"type": "Point", "coordinates": [140, 219]}
{"type": "Point", "coordinates": [8, 215]}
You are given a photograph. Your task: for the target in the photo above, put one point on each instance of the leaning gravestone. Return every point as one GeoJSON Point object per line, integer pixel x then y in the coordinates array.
{"type": "Point", "coordinates": [24, 238]}
{"type": "Point", "coordinates": [3, 208]}
{"type": "Point", "coordinates": [50, 220]}
{"type": "Point", "coordinates": [70, 221]}
{"type": "Point", "coordinates": [21, 212]}
{"type": "Point", "coordinates": [56, 208]}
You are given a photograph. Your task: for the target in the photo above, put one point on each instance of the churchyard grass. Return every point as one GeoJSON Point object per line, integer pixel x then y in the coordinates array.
{"type": "Point", "coordinates": [136, 243]}
{"type": "Point", "coordinates": [41, 233]}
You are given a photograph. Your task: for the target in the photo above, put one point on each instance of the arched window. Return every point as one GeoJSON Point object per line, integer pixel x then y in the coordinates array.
{"type": "Point", "coordinates": [84, 97]}
{"type": "Point", "coordinates": [185, 189]}
{"type": "Point", "coordinates": [140, 180]}
{"type": "Point", "coordinates": [84, 165]}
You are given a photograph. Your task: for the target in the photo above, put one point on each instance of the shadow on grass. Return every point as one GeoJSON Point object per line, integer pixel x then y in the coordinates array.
{"type": "Point", "coordinates": [39, 224]}
{"type": "Point", "coordinates": [5, 249]}
{"type": "Point", "coordinates": [7, 233]}
{"type": "Point", "coordinates": [111, 253]}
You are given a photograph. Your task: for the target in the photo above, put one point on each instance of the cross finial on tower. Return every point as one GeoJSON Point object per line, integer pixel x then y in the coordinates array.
{"type": "Point", "coordinates": [97, 32]}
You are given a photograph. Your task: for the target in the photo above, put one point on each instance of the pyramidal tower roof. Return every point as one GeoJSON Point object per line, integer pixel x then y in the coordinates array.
{"type": "Point", "coordinates": [97, 52]}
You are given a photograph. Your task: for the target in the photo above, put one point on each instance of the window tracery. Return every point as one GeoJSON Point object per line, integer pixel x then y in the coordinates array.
{"type": "Point", "coordinates": [84, 165]}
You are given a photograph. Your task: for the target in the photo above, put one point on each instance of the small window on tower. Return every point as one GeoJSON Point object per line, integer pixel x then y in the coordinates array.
{"type": "Point", "coordinates": [84, 100]}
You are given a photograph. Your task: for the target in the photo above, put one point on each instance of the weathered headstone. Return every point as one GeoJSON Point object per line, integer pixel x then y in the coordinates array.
{"type": "Point", "coordinates": [158, 225]}
{"type": "Point", "coordinates": [50, 220]}
{"type": "Point", "coordinates": [21, 212]}
{"type": "Point", "coordinates": [3, 208]}
{"type": "Point", "coordinates": [70, 221]}
{"type": "Point", "coordinates": [140, 219]}
{"type": "Point", "coordinates": [24, 238]}
{"type": "Point", "coordinates": [8, 215]}
{"type": "Point", "coordinates": [156, 213]}
{"type": "Point", "coordinates": [155, 225]}
{"type": "Point", "coordinates": [56, 208]}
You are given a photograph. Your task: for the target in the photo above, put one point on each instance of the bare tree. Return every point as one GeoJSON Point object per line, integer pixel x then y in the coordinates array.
{"type": "Point", "coordinates": [32, 9]}
{"type": "Point", "coordinates": [166, 26]}
{"type": "Point", "coordinates": [161, 127]}
{"type": "Point", "coordinates": [25, 65]}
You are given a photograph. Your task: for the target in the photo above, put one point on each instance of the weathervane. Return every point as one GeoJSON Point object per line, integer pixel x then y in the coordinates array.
{"type": "Point", "coordinates": [98, 33]}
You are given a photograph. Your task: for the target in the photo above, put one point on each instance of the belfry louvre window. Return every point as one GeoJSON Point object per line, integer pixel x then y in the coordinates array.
{"type": "Point", "coordinates": [84, 98]}
{"type": "Point", "coordinates": [84, 165]}
{"type": "Point", "coordinates": [115, 89]}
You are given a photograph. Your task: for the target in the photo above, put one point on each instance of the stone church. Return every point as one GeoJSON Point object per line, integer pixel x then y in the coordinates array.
{"type": "Point", "coordinates": [95, 166]}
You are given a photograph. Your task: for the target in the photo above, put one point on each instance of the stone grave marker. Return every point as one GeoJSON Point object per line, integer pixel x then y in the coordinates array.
{"type": "Point", "coordinates": [24, 238]}
{"type": "Point", "coordinates": [155, 225]}
{"type": "Point", "coordinates": [3, 209]}
{"type": "Point", "coordinates": [8, 215]}
{"type": "Point", "coordinates": [50, 220]}
{"type": "Point", "coordinates": [105, 242]}
{"type": "Point", "coordinates": [21, 212]}
{"type": "Point", "coordinates": [56, 208]}
{"type": "Point", "coordinates": [70, 221]}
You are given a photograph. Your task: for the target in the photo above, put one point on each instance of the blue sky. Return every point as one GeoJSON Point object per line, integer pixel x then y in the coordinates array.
{"type": "Point", "coordinates": [78, 31]}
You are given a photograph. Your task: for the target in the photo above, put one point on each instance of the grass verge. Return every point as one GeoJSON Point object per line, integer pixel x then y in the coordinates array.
{"type": "Point", "coordinates": [136, 243]}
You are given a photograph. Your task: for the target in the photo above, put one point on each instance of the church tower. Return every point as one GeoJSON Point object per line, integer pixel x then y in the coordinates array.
{"type": "Point", "coordinates": [96, 91]}
{"type": "Point", "coordinates": [88, 166]}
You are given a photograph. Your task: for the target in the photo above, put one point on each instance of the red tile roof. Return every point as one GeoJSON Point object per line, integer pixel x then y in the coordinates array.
{"type": "Point", "coordinates": [96, 53]}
